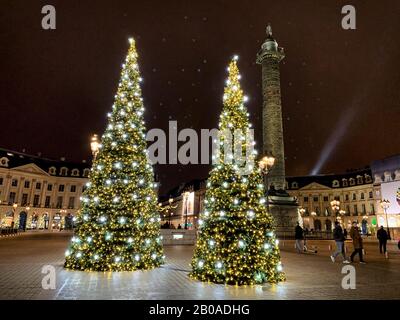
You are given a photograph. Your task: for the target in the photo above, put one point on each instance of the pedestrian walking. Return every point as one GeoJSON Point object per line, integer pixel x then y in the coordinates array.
{"type": "Point", "coordinates": [357, 242]}
{"type": "Point", "coordinates": [382, 237]}
{"type": "Point", "coordinates": [298, 236]}
{"type": "Point", "coordinates": [339, 238]}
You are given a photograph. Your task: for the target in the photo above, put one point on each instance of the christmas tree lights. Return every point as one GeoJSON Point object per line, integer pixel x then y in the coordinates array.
{"type": "Point", "coordinates": [236, 243]}
{"type": "Point", "coordinates": [118, 225]}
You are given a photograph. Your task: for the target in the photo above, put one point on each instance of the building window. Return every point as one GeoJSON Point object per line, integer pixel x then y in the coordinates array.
{"type": "Point", "coordinates": [4, 162]}
{"type": "Point", "coordinates": [71, 203]}
{"type": "Point", "coordinates": [317, 211]}
{"type": "Point", "coordinates": [24, 200]}
{"type": "Point", "coordinates": [337, 198]}
{"type": "Point", "coordinates": [47, 202]}
{"type": "Point", "coordinates": [363, 209]}
{"type": "Point", "coordinates": [75, 173]}
{"type": "Point", "coordinates": [352, 181]}
{"type": "Point", "coordinates": [348, 210]}
{"type": "Point", "coordinates": [14, 182]}
{"type": "Point", "coordinates": [344, 182]}
{"type": "Point", "coordinates": [326, 199]}
{"type": "Point", "coordinates": [370, 195]}
{"type": "Point", "coordinates": [372, 208]}
{"type": "Point", "coordinates": [49, 187]}
{"type": "Point", "coordinates": [355, 210]}
{"type": "Point", "coordinates": [347, 197]}
{"type": "Point", "coordinates": [335, 183]}
{"type": "Point", "coordinates": [52, 170]}
{"type": "Point", "coordinates": [1, 181]}
{"type": "Point", "coordinates": [63, 171]}
{"type": "Point", "coordinates": [362, 195]}
{"type": "Point", "coordinates": [305, 199]}
{"type": "Point", "coordinates": [61, 188]}
{"type": "Point", "coordinates": [295, 185]}
{"type": "Point", "coordinates": [316, 199]}
{"type": "Point", "coordinates": [59, 202]}
{"type": "Point", "coordinates": [11, 198]}
{"type": "Point", "coordinates": [359, 180]}
{"type": "Point", "coordinates": [38, 185]}
{"type": "Point", "coordinates": [368, 178]}
{"type": "Point", "coordinates": [73, 188]}
{"type": "Point", "coordinates": [27, 183]}
{"type": "Point", "coordinates": [354, 196]}
{"type": "Point", "coordinates": [36, 200]}
{"type": "Point", "coordinates": [86, 172]}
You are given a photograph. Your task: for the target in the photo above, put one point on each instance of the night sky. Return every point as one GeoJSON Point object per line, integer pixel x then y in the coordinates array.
{"type": "Point", "coordinates": [340, 88]}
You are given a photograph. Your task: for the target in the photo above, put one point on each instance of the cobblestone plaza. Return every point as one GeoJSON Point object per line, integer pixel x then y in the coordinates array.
{"type": "Point", "coordinates": [309, 276]}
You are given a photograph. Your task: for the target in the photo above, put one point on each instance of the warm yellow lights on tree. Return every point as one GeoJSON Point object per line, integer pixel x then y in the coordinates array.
{"type": "Point", "coordinates": [118, 226]}
{"type": "Point", "coordinates": [236, 243]}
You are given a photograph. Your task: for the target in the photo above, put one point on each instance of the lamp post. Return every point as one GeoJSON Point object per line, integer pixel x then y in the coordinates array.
{"type": "Point", "coordinates": [95, 145]}
{"type": "Point", "coordinates": [385, 204]}
{"type": "Point", "coordinates": [335, 205]}
{"type": "Point", "coordinates": [265, 164]}
{"type": "Point", "coordinates": [186, 197]}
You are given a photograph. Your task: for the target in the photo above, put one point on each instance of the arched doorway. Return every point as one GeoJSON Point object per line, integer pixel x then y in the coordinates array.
{"type": "Point", "coordinates": [22, 221]}
{"type": "Point", "coordinates": [317, 225]}
{"type": "Point", "coordinates": [328, 225]}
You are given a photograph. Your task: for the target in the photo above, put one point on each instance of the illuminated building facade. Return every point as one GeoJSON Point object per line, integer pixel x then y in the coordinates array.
{"type": "Point", "coordinates": [38, 193]}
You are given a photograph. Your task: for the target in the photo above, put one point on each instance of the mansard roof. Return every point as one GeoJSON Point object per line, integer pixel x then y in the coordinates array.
{"type": "Point", "coordinates": [12, 159]}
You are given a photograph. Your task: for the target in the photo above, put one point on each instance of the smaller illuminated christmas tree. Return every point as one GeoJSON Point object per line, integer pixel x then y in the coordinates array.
{"type": "Point", "coordinates": [236, 243]}
{"type": "Point", "coordinates": [118, 226]}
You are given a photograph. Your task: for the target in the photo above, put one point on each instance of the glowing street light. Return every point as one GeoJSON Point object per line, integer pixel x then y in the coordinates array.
{"type": "Point", "coordinates": [95, 145]}
{"type": "Point", "coordinates": [265, 164]}
{"type": "Point", "coordinates": [385, 204]}
{"type": "Point", "coordinates": [335, 205]}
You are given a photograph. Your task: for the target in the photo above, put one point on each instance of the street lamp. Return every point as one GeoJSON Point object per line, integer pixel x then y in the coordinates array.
{"type": "Point", "coordinates": [335, 205]}
{"type": "Point", "coordinates": [265, 164]}
{"type": "Point", "coordinates": [95, 145]}
{"type": "Point", "coordinates": [186, 197]}
{"type": "Point", "coordinates": [385, 204]}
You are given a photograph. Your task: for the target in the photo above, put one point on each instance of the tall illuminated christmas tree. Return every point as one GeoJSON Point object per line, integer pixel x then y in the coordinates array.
{"type": "Point", "coordinates": [236, 243]}
{"type": "Point", "coordinates": [118, 226]}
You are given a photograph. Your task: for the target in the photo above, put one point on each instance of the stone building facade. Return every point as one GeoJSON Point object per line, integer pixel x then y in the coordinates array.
{"type": "Point", "coordinates": [38, 193]}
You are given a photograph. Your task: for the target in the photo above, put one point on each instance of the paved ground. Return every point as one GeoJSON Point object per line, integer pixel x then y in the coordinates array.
{"type": "Point", "coordinates": [309, 276]}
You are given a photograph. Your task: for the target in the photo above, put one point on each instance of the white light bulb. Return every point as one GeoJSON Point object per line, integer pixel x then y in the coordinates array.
{"type": "Point", "coordinates": [67, 253]}
{"type": "Point", "coordinates": [153, 256]}
{"type": "Point", "coordinates": [200, 264]}
{"type": "Point", "coordinates": [211, 243]}
{"type": "Point", "coordinates": [78, 255]}
{"type": "Point", "coordinates": [89, 239]}
{"type": "Point", "coordinates": [218, 265]}
{"type": "Point", "coordinates": [116, 199]}
{"type": "Point", "coordinates": [137, 257]}
{"type": "Point", "coordinates": [103, 219]}
{"type": "Point", "coordinates": [122, 220]}
{"type": "Point", "coordinates": [117, 259]}
{"type": "Point", "coordinates": [241, 243]}
{"type": "Point", "coordinates": [130, 240]}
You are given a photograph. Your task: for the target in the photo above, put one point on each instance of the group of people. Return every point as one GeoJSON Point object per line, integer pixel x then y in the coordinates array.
{"type": "Point", "coordinates": [168, 225]}
{"type": "Point", "coordinates": [340, 235]}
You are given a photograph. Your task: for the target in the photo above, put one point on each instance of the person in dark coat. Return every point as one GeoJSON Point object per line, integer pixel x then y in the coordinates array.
{"type": "Point", "coordinates": [339, 238]}
{"type": "Point", "coordinates": [298, 236]}
{"type": "Point", "coordinates": [357, 242]}
{"type": "Point", "coordinates": [382, 237]}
